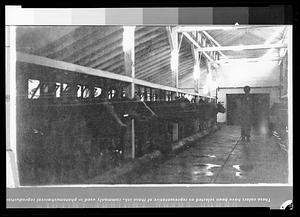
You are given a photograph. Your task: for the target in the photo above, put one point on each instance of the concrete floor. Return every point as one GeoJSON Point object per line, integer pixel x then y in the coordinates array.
{"type": "Point", "coordinates": [222, 158]}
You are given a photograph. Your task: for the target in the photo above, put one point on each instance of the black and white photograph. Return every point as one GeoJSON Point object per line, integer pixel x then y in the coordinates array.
{"type": "Point", "coordinates": [149, 107]}
{"type": "Point", "coordinates": [150, 104]}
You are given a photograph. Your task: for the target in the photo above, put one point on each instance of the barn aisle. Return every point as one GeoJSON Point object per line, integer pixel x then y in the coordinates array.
{"type": "Point", "coordinates": [222, 158]}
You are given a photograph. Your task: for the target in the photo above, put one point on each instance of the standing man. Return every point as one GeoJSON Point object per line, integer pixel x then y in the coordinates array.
{"type": "Point", "coordinates": [246, 115]}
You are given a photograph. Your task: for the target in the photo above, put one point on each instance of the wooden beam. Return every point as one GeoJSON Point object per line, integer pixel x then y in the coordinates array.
{"type": "Point", "coordinates": [153, 85]}
{"type": "Point", "coordinates": [169, 33]}
{"type": "Point", "coordinates": [57, 64]}
{"type": "Point", "coordinates": [196, 44]}
{"type": "Point", "coordinates": [61, 65]}
{"type": "Point", "coordinates": [215, 27]}
{"type": "Point", "coordinates": [197, 63]}
{"type": "Point", "coordinates": [176, 49]}
{"type": "Point", "coordinates": [247, 60]}
{"type": "Point", "coordinates": [242, 47]}
{"type": "Point", "coordinates": [215, 42]}
{"type": "Point", "coordinates": [129, 60]}
{"type": "Point", "coordinates": [179, 46]}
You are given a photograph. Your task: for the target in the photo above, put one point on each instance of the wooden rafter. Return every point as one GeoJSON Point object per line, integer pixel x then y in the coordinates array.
{"type": "Point", "coordinates": [215, 42]}
{"type": "Point", "coordinates": [247, 60]}
{"type": "Point", "coordinates": [197, 45]}
{"type": "Point", "coordinates": [242, 47]}
{"type": "Point", "coordinates": [216, 27]}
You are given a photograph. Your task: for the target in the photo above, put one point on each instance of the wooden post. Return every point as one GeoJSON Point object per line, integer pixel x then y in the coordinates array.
{"type": "Point", "coordinates": [196, 64]}
{"type": "Point", "coordinates": [173, 41]}
{"type": "Point", "coordinates": [208, 65]}
{"type": "Point", "coordinates": [129, 57]}
{"type": "Point", "coordinates": [176, 51]}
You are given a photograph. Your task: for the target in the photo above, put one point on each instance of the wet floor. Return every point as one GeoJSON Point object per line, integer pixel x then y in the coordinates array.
{"type": "Point", "coordinates": [222, 158]}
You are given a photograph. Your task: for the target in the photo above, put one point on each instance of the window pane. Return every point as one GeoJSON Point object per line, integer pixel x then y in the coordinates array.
{"type": "Point", "coordinates": [86, 93]}
{"type": "Point", "coordinates": [98, 91]}
{"type": "Point", "coordinates": [57, 91]}
{"type": "Point", "coordinates": [79, 88]}
{"type": "Point", "coordinates": [33, 89]}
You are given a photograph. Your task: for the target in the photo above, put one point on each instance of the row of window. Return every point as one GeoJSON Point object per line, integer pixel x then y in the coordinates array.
{"type": "Point", "coordinates": [36, 89]}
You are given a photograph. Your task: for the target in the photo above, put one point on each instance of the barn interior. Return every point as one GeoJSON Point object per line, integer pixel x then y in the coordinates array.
{"type": "Point", "coordinates": [149, 104]}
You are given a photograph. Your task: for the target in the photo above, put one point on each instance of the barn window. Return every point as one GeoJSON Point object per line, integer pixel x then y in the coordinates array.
{"type": "Point", "coordinates": [33, 89]}
{"type": "Point", "coordinates": [142, 96]}
{"type": "Point", "coordinates": [148, 95]}
{"type": "Point", "coordinates": [174, 60]}
{"type": "Point", "coordinates": [86, 92]}
{"type": "Point", "coordinates": [113, 92]}
{"type": "Point", "coordinates": [45, 88]}
{"type": "Point", "coordinates": [65, 87]}
{"type": "Point", "coordinates": [79, 88]}
{"type": "Point", "coordinates": [98, 91]}
{"type": "Point", "coordinates": [57, 89]}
